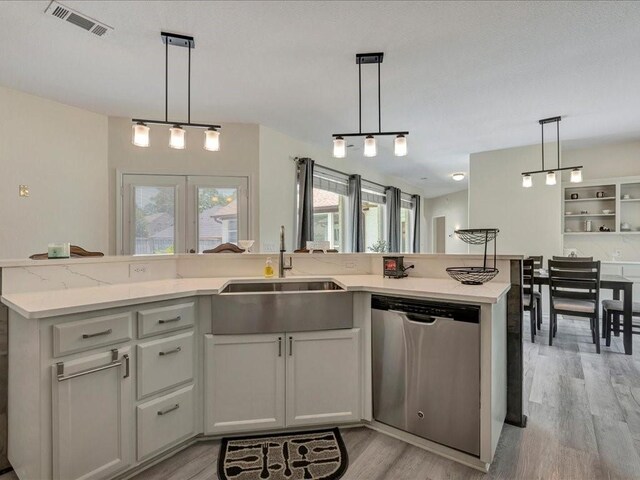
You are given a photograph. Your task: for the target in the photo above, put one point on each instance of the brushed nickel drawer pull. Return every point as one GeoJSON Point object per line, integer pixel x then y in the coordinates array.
{"type": "Point", "coordinates": [290, 346]}
{"type": "Point", "coordinates": [114, 363]}
{"type": "Point", "coordinates": [97, 334]}
{"type": "Point", "coordinates": [169, 409]}
{"type": "Point", "coordinates": [279, 346]}
{"type": "Point", "coordinates": [169, 352]}
{"type": "Point", "coordinates": [176, 319]}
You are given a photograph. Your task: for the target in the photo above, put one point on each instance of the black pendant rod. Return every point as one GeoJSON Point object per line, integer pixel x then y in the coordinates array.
{"type": "Point", "coordinates": [359, 97]}
{"type": "Point", "coordinates": [166, 82]}
{"type": "Point", "coordinates": [189, 89]}
{"type": "Point", "coordinates": [558, 141]}
{"type": "Point", "coordinates": [379, 114]}
{"type": "Point", "coordinates": [542, 144]}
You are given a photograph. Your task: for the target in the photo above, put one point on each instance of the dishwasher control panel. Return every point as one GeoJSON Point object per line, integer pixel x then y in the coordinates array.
{"type": "Point", "coordinates": [459, 312]}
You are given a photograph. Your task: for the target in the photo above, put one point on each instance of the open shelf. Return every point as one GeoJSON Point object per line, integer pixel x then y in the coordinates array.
{"type": "Point", "coordinates": [570, 215]}
{"type": "Point", "coordinates": [590, 199]}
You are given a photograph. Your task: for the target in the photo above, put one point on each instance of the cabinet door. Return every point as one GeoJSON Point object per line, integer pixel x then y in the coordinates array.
{"type": "Point", "coordinates": [244, 382]}
{"type": "Point", "coordinates": [323, 377]}
{"type": "Point", "coordinates": [92, 417]}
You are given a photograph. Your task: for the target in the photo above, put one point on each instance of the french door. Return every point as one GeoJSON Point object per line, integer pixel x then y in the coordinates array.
{"type": "Point", "coordinates": [163, 214]}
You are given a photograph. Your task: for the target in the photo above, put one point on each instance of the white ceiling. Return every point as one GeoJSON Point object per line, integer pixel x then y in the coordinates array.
{"type": "Point", "coordinates": [462, 77]}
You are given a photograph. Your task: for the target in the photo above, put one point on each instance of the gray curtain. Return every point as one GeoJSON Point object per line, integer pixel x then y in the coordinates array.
{"type": "Point", "coordinates": [356, 233]}
{"type": "Point", "coordinates": [393, 218]}
{"type": "Point", "coordinates": [304, 231]}
{"type": "Point", "coordinates": [415, 205]}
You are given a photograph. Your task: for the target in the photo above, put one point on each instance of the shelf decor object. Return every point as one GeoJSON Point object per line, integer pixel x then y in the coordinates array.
{"type": "Point", "coordinates": [576, 172]}
{"type": "Point", "coordinates": [177, 133]}
{"type": "Point", "coordinates": [370, 150]}
{"type": "Point", "coordinates": [476, 275]}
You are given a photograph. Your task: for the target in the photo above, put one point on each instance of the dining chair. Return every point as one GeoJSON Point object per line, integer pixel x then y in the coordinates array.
{"type": "Point", "coordinates": [574, 287]}
{"type": "Point", "coordinates": [573, 259]}
{"type": "Point", "coordinates": [538, 264]}
{"type": "Point", "coordinates": [611, 311]}
{"type": "Point", "coordinates": [530, 296]}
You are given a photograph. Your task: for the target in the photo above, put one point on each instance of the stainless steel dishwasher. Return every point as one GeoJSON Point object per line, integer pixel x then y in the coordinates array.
{"type": "Point", "coordinates": [426, 369]}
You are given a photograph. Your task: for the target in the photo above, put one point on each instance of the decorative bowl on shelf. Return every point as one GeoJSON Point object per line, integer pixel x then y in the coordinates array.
{"type": "Point", "coordinates": [626, 196]}
{"type": "Point", "coordinates": [568, 213]}
{"type": "Point", "coordinates": [607, 212]}
{"type": "Point", "coordinates": [246, 244]}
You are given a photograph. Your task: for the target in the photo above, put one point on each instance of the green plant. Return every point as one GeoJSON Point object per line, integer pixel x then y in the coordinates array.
{"type": "Point", "coordinates": [380, 246]}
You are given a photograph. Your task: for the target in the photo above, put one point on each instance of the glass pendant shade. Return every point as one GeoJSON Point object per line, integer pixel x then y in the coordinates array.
{"type": "Point", "coordinates": [178, 137]}
{"type": "Point", "coordinates": [339, 147]}
{"type": "Point", "coordinates": [212, 140]}
{"type": "Point", "coordinates": [527, 181]}
{"type": "Point", "coordinates": [551, 178]}
{"type": "Point", "coordinates": [400, 146]}
{"type": "Point", "coordinates": [370, 149]}
{"type": "Point", "coordinates": [576, 175]}
{"type": "Point", "coordinates": [140, 135]}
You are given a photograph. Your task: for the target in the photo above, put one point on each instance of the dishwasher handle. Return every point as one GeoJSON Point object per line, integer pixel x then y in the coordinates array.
{"type": "Point", "coordinates": [422, 319]}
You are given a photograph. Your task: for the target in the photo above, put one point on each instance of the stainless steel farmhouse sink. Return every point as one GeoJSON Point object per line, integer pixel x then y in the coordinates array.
{"type": "Point", "coordinates": [281, 306]}
{"type": "Point", "coordinates": [280, 287]}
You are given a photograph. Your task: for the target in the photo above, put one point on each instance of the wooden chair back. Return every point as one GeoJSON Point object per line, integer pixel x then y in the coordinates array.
{"type": "Point", "coordinates": [573, 259]}
{"type": "Point", "coordinates": [528, 267]}
{"type": "Point", "coordinates": [538, 261]}
{"type": "Point", "coordinates": [575, 280]}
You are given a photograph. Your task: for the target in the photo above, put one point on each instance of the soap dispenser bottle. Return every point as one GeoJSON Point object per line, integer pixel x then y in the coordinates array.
{"type": "Point", "coordinates": [268, 268]}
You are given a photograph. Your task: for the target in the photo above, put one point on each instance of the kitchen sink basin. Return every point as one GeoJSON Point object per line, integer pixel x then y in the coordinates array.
{"type": "Point", "coordinates": [281, 306]}
{"type": "Point", "coordinates": [281, 287]}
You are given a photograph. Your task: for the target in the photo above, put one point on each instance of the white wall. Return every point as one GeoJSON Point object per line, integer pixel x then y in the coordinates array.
{"type": "Point", "coordinates": [277, 182]}
{"type": "Point", "coordinates": [529, 219]}
{"type": "Point", "coordinates": [60, 152]}
{"type": "Point", "coordinates": [238, 156]}
{"type": "Point", "coordinates": [455, 208]}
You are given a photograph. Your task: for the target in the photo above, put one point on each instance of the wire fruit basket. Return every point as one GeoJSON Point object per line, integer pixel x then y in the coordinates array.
{"type": "Point", "coordinates": [476, 275]}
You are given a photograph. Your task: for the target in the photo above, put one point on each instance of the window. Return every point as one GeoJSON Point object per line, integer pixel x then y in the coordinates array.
{"type": "Point", "coordinates": [330, 208]}
{"type": "Point", "coordinates": [374, 212]}
{"type": "Point", "coordinates": [163, 214]}
{"type": "Point", "coordinates": [406, 224]}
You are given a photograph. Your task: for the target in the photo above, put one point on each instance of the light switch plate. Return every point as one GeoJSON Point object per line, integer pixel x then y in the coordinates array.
{"type": "Point", "coordinates": [23, 190]}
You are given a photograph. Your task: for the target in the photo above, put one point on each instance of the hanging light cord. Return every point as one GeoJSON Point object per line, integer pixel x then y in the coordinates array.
{"type": "Point", "coordinates": [166, 81]}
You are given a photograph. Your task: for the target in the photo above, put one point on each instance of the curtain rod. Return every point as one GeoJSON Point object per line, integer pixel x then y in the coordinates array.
{"type": "Point", "coordinates": [295, 159]}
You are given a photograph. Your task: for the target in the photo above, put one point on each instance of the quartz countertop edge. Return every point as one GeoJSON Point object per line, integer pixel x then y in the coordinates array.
{"type": "Point", "coordinates": [53, 303]}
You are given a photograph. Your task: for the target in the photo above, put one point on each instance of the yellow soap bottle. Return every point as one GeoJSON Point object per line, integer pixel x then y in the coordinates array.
{"type": "Point", "coordinates": [268, 269]}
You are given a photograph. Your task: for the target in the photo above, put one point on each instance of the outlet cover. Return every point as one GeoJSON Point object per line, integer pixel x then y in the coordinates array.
{"type": "Point", "coordinates": [23, 190]}
{"type": "Point", "coordinates": [138, 271]}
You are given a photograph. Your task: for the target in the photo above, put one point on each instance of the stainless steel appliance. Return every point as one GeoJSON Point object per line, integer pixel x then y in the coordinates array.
{"type": "Point", "coordinates": [426, 369]}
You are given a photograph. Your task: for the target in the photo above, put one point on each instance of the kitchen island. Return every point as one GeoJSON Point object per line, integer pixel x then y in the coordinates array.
{"type": "Point", "coordinates": [116, 355]}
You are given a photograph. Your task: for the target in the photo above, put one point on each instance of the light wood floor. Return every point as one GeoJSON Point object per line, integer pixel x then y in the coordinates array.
{"type": "Point", "coordinates": [584, 423]}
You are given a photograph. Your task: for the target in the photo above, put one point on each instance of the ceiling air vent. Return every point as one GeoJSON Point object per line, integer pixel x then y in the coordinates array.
{"type": "Point", "coordinates": [78, 19]}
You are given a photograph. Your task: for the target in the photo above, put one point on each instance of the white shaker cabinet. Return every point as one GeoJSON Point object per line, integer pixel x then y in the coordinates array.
{"type": "Point", "coordinates": [323, 377]}
{"type": "Point", "coordinates": [91, 416]}
{"type": "Point", "coordinates": [244, 382]}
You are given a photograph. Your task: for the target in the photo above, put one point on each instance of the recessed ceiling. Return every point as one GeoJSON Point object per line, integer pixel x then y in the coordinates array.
{"type": "Point", "coordinates": [462, 77]}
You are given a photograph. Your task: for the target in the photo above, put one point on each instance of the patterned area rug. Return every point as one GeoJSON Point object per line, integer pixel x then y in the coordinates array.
{"type": "Point", "coordinates": [316, 455]}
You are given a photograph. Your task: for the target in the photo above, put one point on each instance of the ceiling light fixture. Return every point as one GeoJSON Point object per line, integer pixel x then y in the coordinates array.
{"type": "Point", "coordinates": [576, 172]}
{"type": "Point", "coordinates": [339, 147]}
{"type": "Point", "coordinates": [370, 150]}
{"type": "Point", "coordinates": [458, 176]}
{"type": "Point", "coordinates": [177, 133]}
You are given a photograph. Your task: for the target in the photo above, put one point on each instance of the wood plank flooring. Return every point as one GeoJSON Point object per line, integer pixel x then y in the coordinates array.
{"type": "Point", "coordinates": [584, 423]}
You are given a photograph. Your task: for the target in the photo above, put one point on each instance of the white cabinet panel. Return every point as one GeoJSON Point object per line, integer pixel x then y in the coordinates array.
{"type": "Point", "coordinates": [91, 333]}
{"type": "Point", "coordinates": [92, 418]}
{"type": "Point", "coordinates": [153, 321]}
{"type": "Point", "coordinates": [323, 377]}
{"type": "Point", "coordinates": [244, 382]}
{"type": "Point", "coordinates": [165, 421]}
{"type": "Point", "coordinates": [165, 363]}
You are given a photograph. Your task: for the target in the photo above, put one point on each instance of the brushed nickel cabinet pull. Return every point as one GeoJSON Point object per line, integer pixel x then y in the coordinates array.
{"type": "Point", "coordinates": [290, 346]}
{"type": "Point", "coordinates": [97, 334]}
{"type": "Point", "coordinates": [176, 319]}
{"type": "Point", "coordinates": [169, 409]}
{"type": "Point", "coordinates": [169, 352]}
{"type": "Point", "coordinates": [279, 346]}
{"type": "Point", "coordinates": [114, 363]}
{"type": "Point", "coordinates": [127, 370]}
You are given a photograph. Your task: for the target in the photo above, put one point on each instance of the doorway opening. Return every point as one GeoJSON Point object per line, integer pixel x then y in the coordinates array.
{"type": "Point", "coordinates": [439, 234]}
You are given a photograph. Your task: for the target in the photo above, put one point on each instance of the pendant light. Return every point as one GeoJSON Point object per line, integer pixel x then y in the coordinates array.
{"type": "Point", "coordinates": [400, 146]}
{"type": "Point", "coordinates": [370, 148]}
{"type": "Point", "coordinates": [339, 147]}
{"type": "Point", "coordinates": [177, 133]}
{"type": "Point", "coordinates": [140, 134]}
{"type": "Point", "coordinates": [212, 140]}
{"type": "Point", "coordinates": [551, 176]}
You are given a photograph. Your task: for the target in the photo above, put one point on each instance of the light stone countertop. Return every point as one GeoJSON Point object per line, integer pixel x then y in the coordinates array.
{"type": "Point", "coordinates": [76, 300]}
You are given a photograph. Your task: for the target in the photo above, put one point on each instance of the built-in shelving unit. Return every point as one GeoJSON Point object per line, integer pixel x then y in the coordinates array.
{"type": "Point", "coordinates": [613, 204]}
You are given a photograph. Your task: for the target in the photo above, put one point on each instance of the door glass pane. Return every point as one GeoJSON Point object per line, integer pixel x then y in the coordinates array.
{"type": "Point", "coordinates": [405, 230]}
{"type": "Point", "coordinates": [328, 217]}
{"type": "Point", "coordinates": [217, 217]}
{"type": "Point", "coordinates": [374, 215]}
{"type": "Point", "coordinates": [155, 220]}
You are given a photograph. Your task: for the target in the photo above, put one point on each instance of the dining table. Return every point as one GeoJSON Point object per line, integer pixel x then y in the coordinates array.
{"type": "Point", "coordinates": [618, 284]}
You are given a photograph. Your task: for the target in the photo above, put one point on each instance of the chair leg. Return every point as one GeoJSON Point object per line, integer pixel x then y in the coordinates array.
{"type": "Point", "coordinates": [607, 322]}
{"type": "Point", "coordinates": [552, 321]}
{"type": "Point", "coordinates": [555, 324]}
{"type": "Point", "coordinates": [593, 330]}
{"type": "Point", "coordinates": [532, 323]}
{"type": "Point", "coordinates": [539, 311]}
{"type": "Point", "coordinates": [596, 323]}
{"type": "Point", "coordinates": [604, 318]}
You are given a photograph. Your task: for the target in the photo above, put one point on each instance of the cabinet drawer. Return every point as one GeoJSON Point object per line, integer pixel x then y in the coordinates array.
{"type": "Point", "coordinates": [164, 363]}
{"type": "Point", "coordinates": [82, 335]}
{"type": "Point", "coordinates": [154, 321]}
{"type": "Point", "coordinates": [165, 421]}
